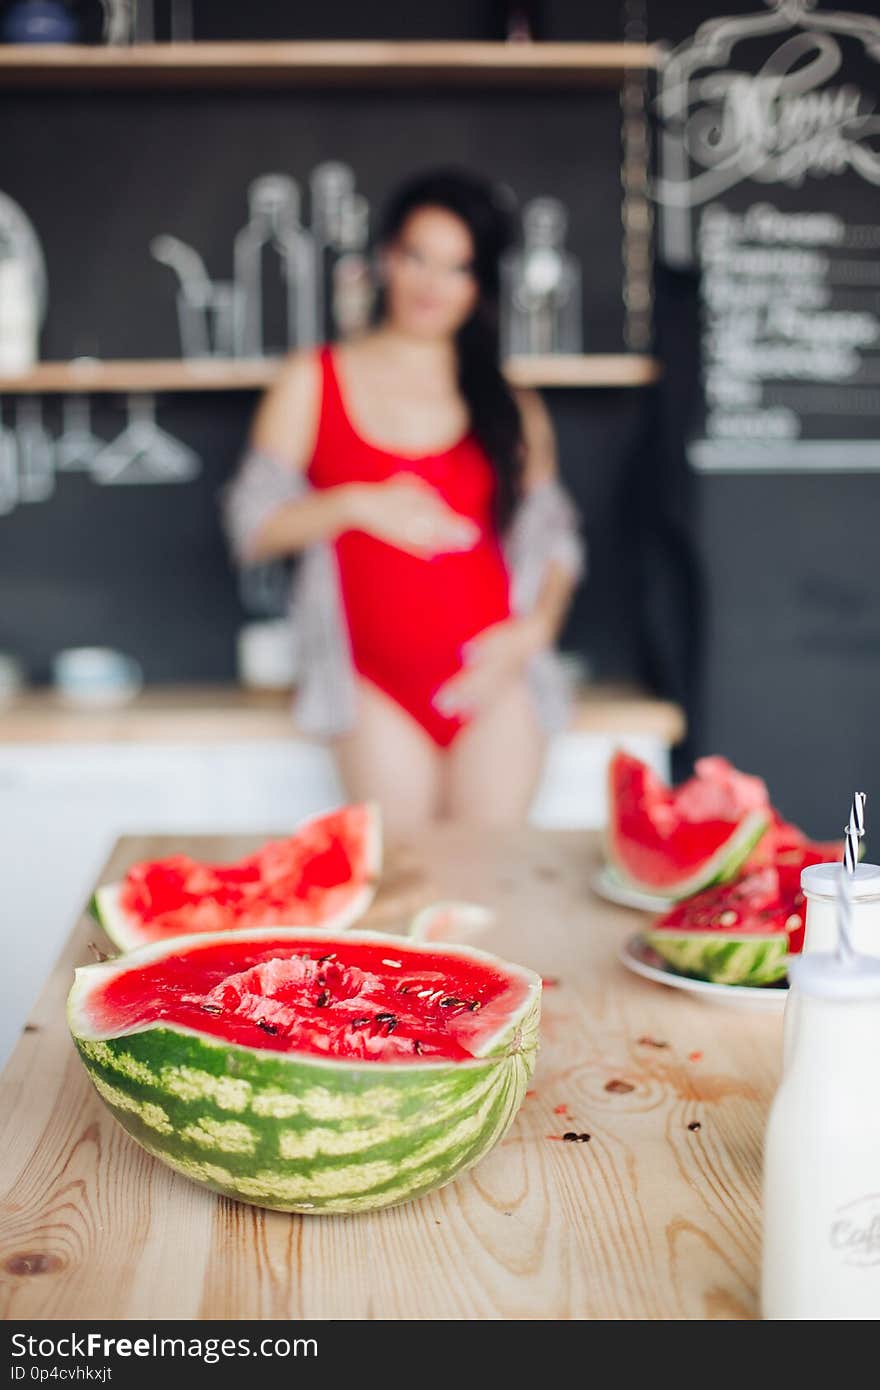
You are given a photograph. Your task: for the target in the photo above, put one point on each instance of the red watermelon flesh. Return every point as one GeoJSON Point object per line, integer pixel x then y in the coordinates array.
{"type": "Point", "coordinates": [324, 875]}
{"type": "Point", "coordinates": [366, 998]}
{"type": "Point", "coordinates": [674, 841]}
{"type": "Point", "coordinates": [740, 932]}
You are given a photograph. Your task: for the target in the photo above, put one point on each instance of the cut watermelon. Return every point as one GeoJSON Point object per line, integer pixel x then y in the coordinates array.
{"type": "Point", "coordinates": [673, 842]}
{"type": "Point", "coordinates": [309, 1073]}
{"type": "Point", "coordinates": [740, 933]}
{"type": "Point", "coordinates": [323, 877]}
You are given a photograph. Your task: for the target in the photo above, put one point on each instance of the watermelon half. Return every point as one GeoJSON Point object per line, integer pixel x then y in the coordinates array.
{"type": "Point", "coordinates": [673, 842]}
{"type": "Point", "coordinates": [307, 1072]}
{"type": "Point", "coordinates": [324, 877]}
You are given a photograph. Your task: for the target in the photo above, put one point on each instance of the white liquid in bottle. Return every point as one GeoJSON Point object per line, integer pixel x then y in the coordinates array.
{"type": "Point", "coordinates": [821, 1256]}
{"type": "Point", "coordinates": [819, 883]}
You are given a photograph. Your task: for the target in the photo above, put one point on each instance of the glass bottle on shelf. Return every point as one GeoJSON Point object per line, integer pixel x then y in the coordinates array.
{"type": "Point", "coordinates": [541, 286]}
{"type": "Point", "coordinates": [331, 189]}
{"type": "Point", "coordinates": [19, 312]}
{"type": "Point", "coordinates": [274, 240]}
{"type": "Point", "coordinates": [353, 287]}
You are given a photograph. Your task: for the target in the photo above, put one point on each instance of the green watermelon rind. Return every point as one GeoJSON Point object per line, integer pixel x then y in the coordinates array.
{"type": "Point", "coordinates": [720, 867]}
{"type": "Point", "coordinates": [723, 958]}
{"type": "Point", "coordinates": [127, 935]}
{"type": "Point", "coordinates": [299, 1133]}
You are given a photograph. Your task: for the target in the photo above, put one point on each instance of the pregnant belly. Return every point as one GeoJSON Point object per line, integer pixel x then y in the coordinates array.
{"type": "Point", "coordinates": [408, 618]}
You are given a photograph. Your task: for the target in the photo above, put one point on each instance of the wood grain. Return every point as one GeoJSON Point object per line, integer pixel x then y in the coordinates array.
{"type": "Point", "coordinates": [649, 1219]}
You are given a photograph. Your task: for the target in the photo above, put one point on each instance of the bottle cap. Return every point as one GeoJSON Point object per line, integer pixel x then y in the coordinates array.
{"type": "Point", "coordinates": [826, 976]}
{"type": "Point", "coordinates": [822, 880]}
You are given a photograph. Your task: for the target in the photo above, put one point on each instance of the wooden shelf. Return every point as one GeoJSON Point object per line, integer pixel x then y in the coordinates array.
{"type": "Point", "coordinates": [588, 369]}
{"type": "Point", "coordinates": [132, 374]}
{"type": "Point", "coordinates": [365, 63]}
{"type": "Point", "coordinates": [95, 377]}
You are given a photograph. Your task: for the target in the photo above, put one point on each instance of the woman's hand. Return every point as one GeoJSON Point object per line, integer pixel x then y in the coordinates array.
{"type": "Point", "coordinates": [410, 515]}
{"type": "Point", "coordinates": [495, 657]}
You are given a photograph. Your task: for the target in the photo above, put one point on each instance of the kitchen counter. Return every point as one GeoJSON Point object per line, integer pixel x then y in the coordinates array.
{"type": "Point", "coordinates": [657, 1216]}
{"type": "Point", "coordinates": [205, 714]}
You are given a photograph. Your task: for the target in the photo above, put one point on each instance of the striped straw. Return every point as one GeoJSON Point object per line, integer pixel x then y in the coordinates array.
{"type": "Point", "coordinates": [854, 832]}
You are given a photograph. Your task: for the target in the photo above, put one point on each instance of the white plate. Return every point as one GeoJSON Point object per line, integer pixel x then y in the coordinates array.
{"type": "Point", "coordinates": [636, 955]}
{"type": "Point", "coordinates": [609, 887]}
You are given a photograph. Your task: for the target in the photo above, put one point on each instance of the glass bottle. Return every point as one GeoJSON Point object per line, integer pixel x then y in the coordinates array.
{"type": "Point", "coordinates": [274, 241]}
{"type": "Point", "coordinates": [541, 286]}
{"type": "Point", "coordinates": [821, 1250]}
{"type": "Point", "coordinates": [353, 286]}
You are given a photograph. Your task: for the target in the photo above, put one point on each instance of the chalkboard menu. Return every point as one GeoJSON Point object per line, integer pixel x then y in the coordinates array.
{"type": "Point", "coordinates": [769, 186]}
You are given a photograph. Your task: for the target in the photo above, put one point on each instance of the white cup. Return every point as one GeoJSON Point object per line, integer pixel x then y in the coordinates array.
{"type": "Point", "coordinates": [96, 676]}
{"type": "Point", "coordinates": [266, 658]}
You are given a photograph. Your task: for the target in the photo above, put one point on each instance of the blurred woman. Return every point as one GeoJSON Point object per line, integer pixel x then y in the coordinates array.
{"type": "Point", "coordinates": [439, 550]}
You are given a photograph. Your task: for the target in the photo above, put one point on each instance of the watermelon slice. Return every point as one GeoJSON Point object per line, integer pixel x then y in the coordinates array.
{"type": "Point", "coordinates": [740, 933]}
{"type": "Point", "coordinates": [307, 1072]}
{"type": "Point", "coordinates": [324, 877]}
{"type": "Point", "coordinates": [673, 842]}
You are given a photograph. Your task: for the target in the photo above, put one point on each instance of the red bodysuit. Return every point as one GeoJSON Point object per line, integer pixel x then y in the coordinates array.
{"type": "Point", "coordinates": [408, 618]}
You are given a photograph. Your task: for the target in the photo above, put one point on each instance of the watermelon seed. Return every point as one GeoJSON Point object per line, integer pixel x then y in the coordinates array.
{"type": "Point", "coordinates": [417, 1047]}
{"type": "Point", "coordinates": [323, 999]}
{"type": "Point", "coordinates": [651, 1042]}
{"type": "Point", "coordinates": [694, 1125]}
{"type": "Point", "coordinates": [211, 1008]}
{"type": "Point", "coordinates": [728, 919]}
{"type": "Point", "coordinates": [474, 1005]}
{"type": "Point", "coordinates": [322, 960]}
{"type": "Point", "coordinates": [359, 1022]}
{"type": "Point", "coordinates": [451, 1002]}
{"type": "Point", "coordinates": [396, 963]}
{"type": "Point", "coordinates": [424, 994]}
{"type": "Point", "coordinates": [619, 1088]}
{"type": "Point", "coordinates": [96, 951]}
{"type": "Point", "coordinates": [267, 1027]}
{"type": "Point", "coordinates": [387, 1018]}
{"type": "Point", "coordinates": [572, 1138]}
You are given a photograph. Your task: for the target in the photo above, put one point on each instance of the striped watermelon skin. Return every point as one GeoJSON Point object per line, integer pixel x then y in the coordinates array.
{"type": "Point", "coordinates": [721, 958]}
{"type": "Point", "coordinates": [301, 1133]}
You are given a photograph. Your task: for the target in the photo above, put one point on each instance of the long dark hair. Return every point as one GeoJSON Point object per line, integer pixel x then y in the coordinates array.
{"type": "Point", "coordinates": [495, 417]}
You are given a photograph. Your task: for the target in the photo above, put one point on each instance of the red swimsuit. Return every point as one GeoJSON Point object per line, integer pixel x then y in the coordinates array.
{"type": "Point", "coordinates": [408, 618]}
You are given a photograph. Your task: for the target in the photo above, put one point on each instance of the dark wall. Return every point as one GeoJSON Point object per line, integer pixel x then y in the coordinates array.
{"type": "Point", "coordinates": [101, 173]}
{"type": "Point", "coordinates": [783, 600]}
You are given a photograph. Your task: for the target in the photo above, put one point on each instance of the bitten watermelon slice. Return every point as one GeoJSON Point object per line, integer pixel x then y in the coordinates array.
{"type": "Point", "coordinates": [740, 933]}
{"type": "Point", "coordinates": [308, 1072]}
{"type": "Point", "coordinates": [323, 877]}
{"type": "Point", "coordinates": [673, 842]}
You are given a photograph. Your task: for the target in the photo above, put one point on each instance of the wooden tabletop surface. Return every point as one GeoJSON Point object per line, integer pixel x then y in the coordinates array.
{"type": "Point", "coordinates": [657, 1216]}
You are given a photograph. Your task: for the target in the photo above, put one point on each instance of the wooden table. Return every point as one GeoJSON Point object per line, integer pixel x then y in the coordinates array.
{"type": "Point", "coordinates": [650, 1219]}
